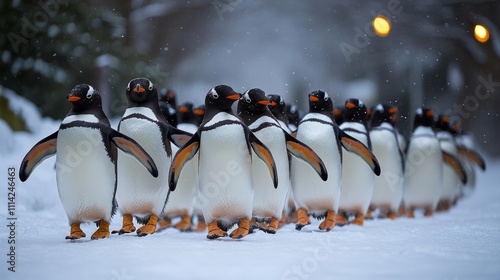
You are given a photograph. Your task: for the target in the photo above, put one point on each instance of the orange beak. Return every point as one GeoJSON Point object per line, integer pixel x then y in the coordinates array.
{"type": "Point", "coordinates": [313, 98]}
{"type": "Point", "coordinates": [393, 110]}
{"type": "Point", "coordinates": [233, 96]}
{"type": "Point", "coordinates": [264, 102]}
{"type": "Point", "coordinates": [429, 113]}
{"type": "Point", "coordinates": [73, 98]}
{"type": "Point", "coordinates": [183, 109]}
{"type": "Point", "coordinates": [199, 112]}
{"type": "Point", "coordinates": [350, 105]}
{"type": "Point", "coordinates": [445, 119]}
{"type": "Point", "coordinates": [273, 103]}
{"type": "Point", "coordinates": [336, 112]}
{"type": "Point", "coordinates": [139, 89]}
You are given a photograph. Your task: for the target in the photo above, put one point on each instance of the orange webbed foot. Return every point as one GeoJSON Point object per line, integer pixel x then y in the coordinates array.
{"type": "Point", "coordinates": [302, 219]}
{"type": "Point", "coordinates": [329, 221]}
{"type": "Point", "coordinates": [242, 230]}
{"type": "Point", "coordinates": [214, 231]}
{"type": "Point", "coordinates": [76, 232]}
{"type": "Point", "coordinates": [184, 224]}
{"type": "Point", "coordinates": [148, 228]}
{"type": "Point", "coordinates": [102, 231]}
{"type": "Point", "coordinates": [359, 220]}
{"type": "Point", "coordinates": [127, 225]}
{"type": "Point", "coordinates": [341, 219]}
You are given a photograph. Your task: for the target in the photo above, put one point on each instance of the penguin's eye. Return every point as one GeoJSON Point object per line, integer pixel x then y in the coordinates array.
{"type": "Point", "coordinates": [326, 98]}
{"type": "Point", "coordinates": [89, 95]}
{"type": "Point", "coordinates": [128, 87]}
{"type": "Point", "coordinates": [247, 99]}
{"type": "Point", "coordinates": [90, 92]}
{"type": "Point", "coordinates": [150, 85]}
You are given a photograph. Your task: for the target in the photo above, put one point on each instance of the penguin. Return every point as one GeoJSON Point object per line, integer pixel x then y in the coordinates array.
{"type": "Point", "coordinates": [338, 114]}
{"type": "Point", "coordinates": [86, 149]}
{"type": "Point", "coordinates": [450, 181]}
{"type": "Point", "coordinates": [168, 105]}
{"type": "Point", "coordinates": [357, 178]}
{"type": "Point", "coordinates": [181, 202]}
{"type": "Point", "coordinates": [198, 218]}
{"type": "Point", "coordinates": [268, 203]}
{"type": "Point", "coordinates": [293, 115]}
{"type": "Point", "coordinates": [424, 166]}
{"type": "Point", "coordinates": [223, 144]}
{"type": "Point", "coordinates": [318, 131]}
{"type": "Point", "coordinates": [388, 187]}
{"type": "Point", "coordinates": [278, 108]}
{"type": "Point", "coordinates": [137, 194]}
{"type": "Point", "coordinates": [468, 156]}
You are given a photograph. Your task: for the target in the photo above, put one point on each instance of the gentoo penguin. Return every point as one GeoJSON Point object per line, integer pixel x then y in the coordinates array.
{"type": "Point", "coordinates": [198, 218]}
{"type": "Point", "coordinates": [224, 143]}
{"type": "Point", "coordinates": [278, 108]}
{"type": "Point", "coordinates": [468, 156]}
{"type": "Point", "coordinates": [168, 105]}
{"type": "Point", "coordinates": [450, 180]}
{"type": "Point", "coordinates": [181, 202]}
{"type": "Point", "coordinates": [318, 130]}
{"type": "Point", "coordinates": [268, 203]}
{"type": "Point", "coordinates": [357, 178]}
{"type": "Point", "coordinates": [424, 166]}
{"type": "Point", "coordinates": [388, 187]}
{"type": "Point", "coordinates": [293, 115]}
{"type": "Point", "coordinates": [137, 194]}
{"type": "Point", "coordinates": [85, 148]}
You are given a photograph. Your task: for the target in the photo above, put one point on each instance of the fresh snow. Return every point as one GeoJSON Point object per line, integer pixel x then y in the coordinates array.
{"type": "Point", "coordinates": [460, 244]}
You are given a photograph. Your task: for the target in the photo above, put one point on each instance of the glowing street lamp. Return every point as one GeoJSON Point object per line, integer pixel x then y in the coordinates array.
{"type": "Point", "coordinates": [481, 33]}
{"type": "Point", "coordinates": [381, 25]}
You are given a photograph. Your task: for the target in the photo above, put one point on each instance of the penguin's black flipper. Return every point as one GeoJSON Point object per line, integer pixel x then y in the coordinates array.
{"type": "Point", "coordinates": [42, 150]}
{"type": "Point", "coordinates": [455, 164]}
{"type": "Point", "coordinates": [182, 156]}
{"type": "Point", "coordinates": [265, 155]}
{"type": "Point", "coordinates": [302, 151]}
{"type": "Point", "coordinates": [177, 136]}
{"type": "Point", "coordinates": [351, 144]}
{"type": "Point", "coordinates": [473, 156]}
{"type": "Point", "coordinates": [132, 148]}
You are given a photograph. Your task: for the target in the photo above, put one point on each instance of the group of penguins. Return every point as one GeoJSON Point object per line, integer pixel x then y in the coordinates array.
{"type": "Point", "coordinates": [258, 168]}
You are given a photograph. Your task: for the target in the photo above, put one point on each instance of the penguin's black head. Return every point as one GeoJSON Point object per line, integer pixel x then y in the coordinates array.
{"type": "Point", "coordinates": [383, 113]}
{"type": "Point", "coordinates": [199, 113]}
{"type": "Point", "coordinates": [320, 102]}
{"type": "Point", "coordinates": [276, 104]}
{"type": "Point", "coordinates": [292, 113]}
{"type": "Point", "coordinates": [84, 97]}
{"type": "Point", "coordinates": [141, 90]}
{"type": "Point", "coordinates": [186, 114]}
{"type": "Point", "coordinates": [253, 102]}
{"type": "Point", "coordinates": [168, 96]}
{"type": "Point", "coordinates": [338, 115]}
{"type": "Point", "coordinates": [221, 97]}
{"type": "Point", "coordinates": [424, 117]}
{"type": "Point", "coordinates": [355, 111]}
{"type": "Point", "coordinates": [443, 123]}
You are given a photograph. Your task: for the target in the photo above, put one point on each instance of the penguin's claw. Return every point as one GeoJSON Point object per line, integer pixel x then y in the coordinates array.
{"type": "Point", "coordinates": [184, 224]}
{"type": "Point", "coordinates": [340, 219]}
{"type": "Point", "coordinates": [124, 229]}
{"type": "Point", "coordinates": [302, 219]}
{"type": "Point", "coordinates": [329, 221]}
{"type": "Point", "coordinates": [242, 230]}
{"type": "Point", "coordinates": [273, 226]}
{"type": "Point", "coordinates": [102, 231]}
{"type": "Point", "coordinates": [76, 232]}
{"type": "Point", "coordinates": [214, 231]}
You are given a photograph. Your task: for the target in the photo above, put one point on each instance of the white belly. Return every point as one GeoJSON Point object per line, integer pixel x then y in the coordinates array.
{"type": "Point", "coordinates": [268, 201]}
{"type": "Point", "coordinates": [85, 175]}
{"type": "Point", "coordinates": [225, 177]}
{"type": "Point", "coordinates": [388, 187]}
{"type": "Point", "coordinates": [357, 178]}
{"type": "Point", "coordinates": [181, 201]}
{"type": "Point", "coordinates": [310, 192]}
{"type": "Point", "coordinates": [138, 192]}
{"type": "Point", "coordinates": [451, 182]}
{"type": "Point", "coordinates": [423, 168]}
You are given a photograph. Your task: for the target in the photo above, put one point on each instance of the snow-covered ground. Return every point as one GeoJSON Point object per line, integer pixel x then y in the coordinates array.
{"type": "Point", "coordinates": [461, 244]}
